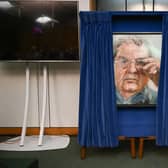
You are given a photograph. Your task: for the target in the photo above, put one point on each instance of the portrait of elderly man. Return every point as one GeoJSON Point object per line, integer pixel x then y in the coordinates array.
{"type": "Point", "coordinates": [137, 68]}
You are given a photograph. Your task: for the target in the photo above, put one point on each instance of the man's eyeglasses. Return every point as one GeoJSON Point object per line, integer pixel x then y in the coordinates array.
{"type": "Point", "coordinates": [124, 62]}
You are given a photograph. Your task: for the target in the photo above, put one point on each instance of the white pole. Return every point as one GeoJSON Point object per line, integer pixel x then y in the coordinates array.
{"type": "Point", "coordinates": [26, 106]}
{"type": "Point", "coordinates": [43, 105]}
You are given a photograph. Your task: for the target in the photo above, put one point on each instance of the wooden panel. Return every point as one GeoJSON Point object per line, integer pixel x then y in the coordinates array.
{"type": "Point", "coordinates": [35, 131]}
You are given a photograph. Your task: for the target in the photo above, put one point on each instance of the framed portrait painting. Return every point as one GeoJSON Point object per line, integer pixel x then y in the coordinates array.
{"type": "Point", "coordinates": [137, 67]}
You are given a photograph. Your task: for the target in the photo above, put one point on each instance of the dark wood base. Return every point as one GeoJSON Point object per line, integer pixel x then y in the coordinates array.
{"type": "Point", "coordinates": [132, 148]}
{"type": "Point", "coordinates": [141, 145]}
{"type": "Point", "coordinates": [83, 152]}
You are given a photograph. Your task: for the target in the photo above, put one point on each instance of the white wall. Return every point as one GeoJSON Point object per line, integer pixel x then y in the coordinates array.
{"type": "Point", "coordinates": [63, 92]}
{"type": "Point", "coordinates": [12, 95]}
{"type": "Point", "coordinates": [83, 5]}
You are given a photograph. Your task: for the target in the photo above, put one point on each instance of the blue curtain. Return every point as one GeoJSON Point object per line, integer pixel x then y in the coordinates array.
{"type": "Point", "coordinates": [162, 105]}
{"type": "Point", "coordinates": [98, 121]}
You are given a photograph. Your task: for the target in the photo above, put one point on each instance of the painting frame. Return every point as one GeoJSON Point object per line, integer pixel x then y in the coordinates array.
{"type": "Point", "coordinates": [153, 40]}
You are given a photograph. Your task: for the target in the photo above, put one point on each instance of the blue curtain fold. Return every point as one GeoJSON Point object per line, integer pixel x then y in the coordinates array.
{"type": "Point", "coordinates": [98, 119]}
{"type": "Point", "coordinates": [162, 104]}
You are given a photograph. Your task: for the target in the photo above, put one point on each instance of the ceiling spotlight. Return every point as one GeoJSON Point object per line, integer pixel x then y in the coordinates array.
{"type": "Point", "coordinates": [45, 19]}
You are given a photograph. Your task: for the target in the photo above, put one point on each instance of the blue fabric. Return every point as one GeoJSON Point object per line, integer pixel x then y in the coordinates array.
{"type": "Point", "coordinates": [162, 105]}
{"type": "Point", "coordinates": [97, 126]}
{"type": "Point", "coordinates": [137, 122]}
{"type": "Point", "coordinates": [98, 118]}
{"type": "Point", "coordinates": [137, 22]}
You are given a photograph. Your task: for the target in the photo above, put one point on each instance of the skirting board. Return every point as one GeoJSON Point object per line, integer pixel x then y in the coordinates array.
{"type": "Point", "coordinates": [36, 130]}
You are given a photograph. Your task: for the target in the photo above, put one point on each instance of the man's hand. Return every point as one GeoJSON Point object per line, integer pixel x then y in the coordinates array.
{"type": "Point", "coordinates": [151, 67]}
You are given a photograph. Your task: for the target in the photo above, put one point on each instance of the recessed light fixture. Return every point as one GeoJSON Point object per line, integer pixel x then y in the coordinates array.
{"type": "Point", "coordinates": [45, 19]}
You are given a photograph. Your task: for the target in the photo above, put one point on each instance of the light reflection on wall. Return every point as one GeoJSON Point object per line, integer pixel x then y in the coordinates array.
{"type": "Point", "coordinates": [136, 7]}
{"type": "Point", "coordinates": [133, 5]}
{"type": "Point", "coordinates": [139, 7]}
{"type": "Point", "coordinates": [148, 7]}
{"type": "Point", "coordinates": [5, 5]}
{"type": "Point", "coordinates": [160, 7]}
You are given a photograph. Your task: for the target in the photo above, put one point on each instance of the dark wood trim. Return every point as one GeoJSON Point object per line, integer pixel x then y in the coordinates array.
{"type": "Point", "coordinates": [92, 5]}
{"type": "Point", "coordinates": [36, 130]}
{"type": "Point", "coordinates": [126, 5]}
{"type": "Point", "coordinates": [153, 6]}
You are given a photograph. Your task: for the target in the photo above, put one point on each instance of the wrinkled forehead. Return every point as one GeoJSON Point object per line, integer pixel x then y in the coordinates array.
{"type": "Point", "coordinates": [131, 50]}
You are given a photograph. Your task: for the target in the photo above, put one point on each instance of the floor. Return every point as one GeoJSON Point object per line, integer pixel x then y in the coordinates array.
{"type": "Point", "coordinates": [154, 157]}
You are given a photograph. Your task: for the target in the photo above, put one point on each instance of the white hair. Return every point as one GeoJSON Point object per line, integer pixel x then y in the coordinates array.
{"type": "Point", "coordinates": [137, 40]}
